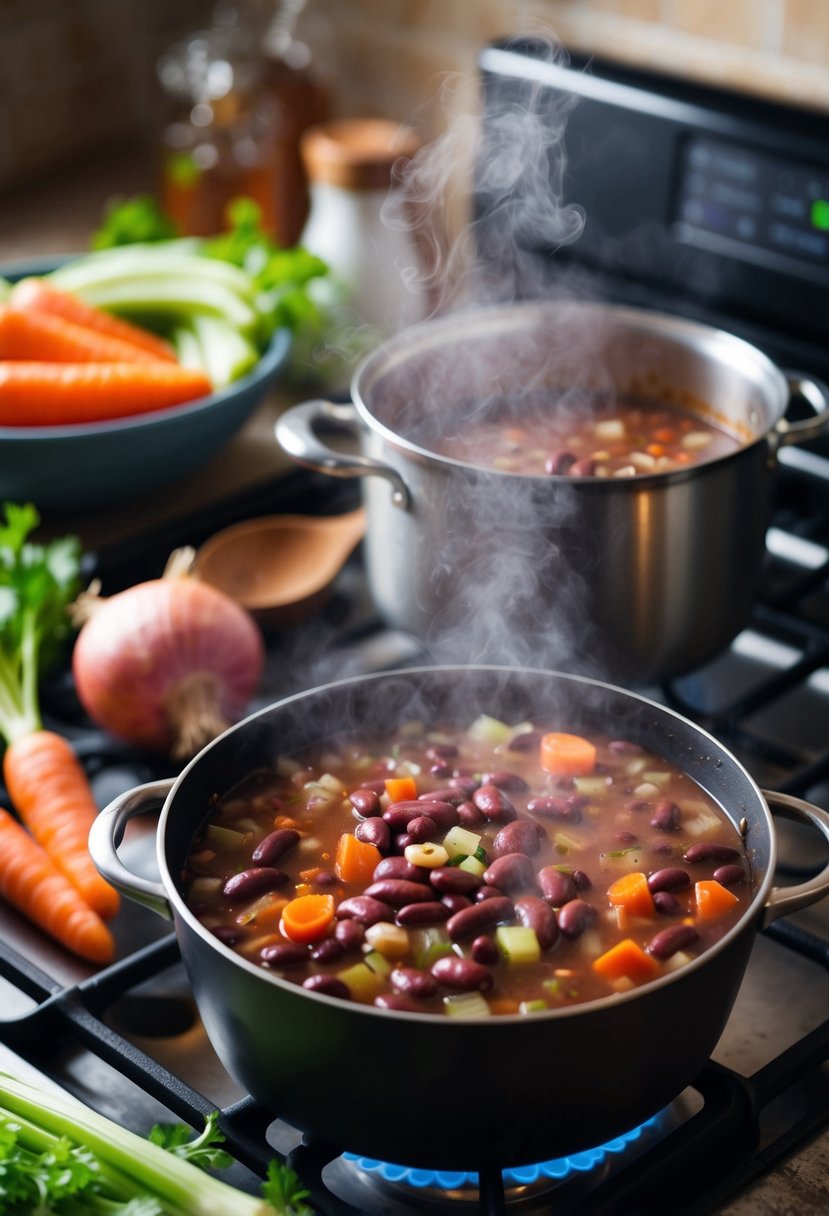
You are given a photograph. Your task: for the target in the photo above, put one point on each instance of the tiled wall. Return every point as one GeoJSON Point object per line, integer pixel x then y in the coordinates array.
{"type": "Point", "coordinates": [76, 75]}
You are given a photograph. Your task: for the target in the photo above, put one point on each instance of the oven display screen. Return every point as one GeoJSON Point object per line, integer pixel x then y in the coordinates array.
{"type": "Point", "coordinates": [760, 201]}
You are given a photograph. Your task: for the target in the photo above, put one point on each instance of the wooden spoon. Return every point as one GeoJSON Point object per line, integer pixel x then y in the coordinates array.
{"type": "Point", "coordinates": [280, 567]}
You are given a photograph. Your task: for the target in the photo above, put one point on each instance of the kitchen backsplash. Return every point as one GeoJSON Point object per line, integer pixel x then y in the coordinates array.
{"type": "Point", "coordinates": [77, 76]}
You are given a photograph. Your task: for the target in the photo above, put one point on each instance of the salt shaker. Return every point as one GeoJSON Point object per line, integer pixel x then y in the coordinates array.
{"type": "Point", "coordinates": [349, 166]}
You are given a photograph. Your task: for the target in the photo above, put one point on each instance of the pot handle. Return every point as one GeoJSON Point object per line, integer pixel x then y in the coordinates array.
{"type": "Point", "coordinates": [106, 834]}
{"type": "Point", "coordinates": [783, 900]}
{"type": "Point", "coordinates": [816, 394]}
{"type": "Point", "coordinates": [296, 434]}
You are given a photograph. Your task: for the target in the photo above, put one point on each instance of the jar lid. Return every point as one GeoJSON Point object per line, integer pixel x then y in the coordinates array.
{"type": "Point", "coordinates": [356, 153]}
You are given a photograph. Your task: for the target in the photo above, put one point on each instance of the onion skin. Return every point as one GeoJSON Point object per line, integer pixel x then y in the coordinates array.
{"type": "Point", "coordinates": [167, 664]}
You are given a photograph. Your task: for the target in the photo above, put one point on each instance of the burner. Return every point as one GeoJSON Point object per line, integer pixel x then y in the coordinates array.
{"type": "Point", "coordinates": [361, 1180]}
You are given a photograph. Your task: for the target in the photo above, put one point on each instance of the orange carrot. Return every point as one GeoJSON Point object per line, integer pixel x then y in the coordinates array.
{"type": "Point", "coordinates": [632, 893]}
{"type": "Point", "coordinates": [53, 394]}
{"type": "Point", "coordinates": [713, 899]}
{"type": "Point", "coordinates": [35, 295]}
{"type": "Point", "coordinates": [308, 917]}
{"type": "Point", "coordinates": [626, 959]}
{"type": "Point", "coordinates": [399, 789]}
{"type": "Point", "coordinates": [567, 755]}
{"type": "Point", "coordinates": [356, 859]}
{"type": "Point", "coordinates": [51, 794]}
{"type": "Point", "coordinates": [50, 339]}
{"type": "Point", "coordinates": [32, 884]}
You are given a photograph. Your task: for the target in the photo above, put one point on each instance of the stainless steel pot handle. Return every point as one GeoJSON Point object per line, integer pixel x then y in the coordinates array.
{"type": "Point", "coordinates": [783, 900]}
{"type": "Point", "coordinates": [107, 833]}
{"type": "Point", "coordinates": [296, 434]}
{"type": "Point", "coordinates": [816, 394]}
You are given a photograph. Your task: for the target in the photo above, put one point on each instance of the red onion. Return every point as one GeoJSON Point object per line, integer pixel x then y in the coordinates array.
{"type": "Point", "coordinates": [167, 664]}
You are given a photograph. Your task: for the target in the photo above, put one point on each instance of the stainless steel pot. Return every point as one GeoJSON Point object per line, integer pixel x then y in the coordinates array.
{"type": "Point", "coordinates": [423, 1089]}
{"type": "Point", "coordinates": [635, 579]}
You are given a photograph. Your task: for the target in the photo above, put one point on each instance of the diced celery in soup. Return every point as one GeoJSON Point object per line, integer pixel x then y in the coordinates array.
{"type": "Point", "coordinates": [469, 872]}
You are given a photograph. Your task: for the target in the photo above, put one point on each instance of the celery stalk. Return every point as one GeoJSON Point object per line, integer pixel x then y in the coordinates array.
{"type": "Point", "coordinates": [169, 295]}
{"type": "Point", "coordinates": [183, 1189]}
{"type": "Point", "coordinates": [147, 261]}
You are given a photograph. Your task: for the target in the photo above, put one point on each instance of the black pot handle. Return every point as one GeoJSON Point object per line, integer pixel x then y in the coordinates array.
{"type": "Point", "coordinates": [107, 833]}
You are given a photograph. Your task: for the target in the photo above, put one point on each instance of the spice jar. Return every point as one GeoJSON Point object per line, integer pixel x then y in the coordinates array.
{"type": "Point", "coordinates": [369, 250]}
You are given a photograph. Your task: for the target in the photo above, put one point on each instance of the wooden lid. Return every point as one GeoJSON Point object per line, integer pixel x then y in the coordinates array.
{"type": "Point", "coordinates": [356, 153]}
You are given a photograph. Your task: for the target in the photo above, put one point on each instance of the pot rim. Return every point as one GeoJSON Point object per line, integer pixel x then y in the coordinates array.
{"type": "Point", "coordinates": [442, 330]}
{"type": "Point", "coordinates": [751, 913]}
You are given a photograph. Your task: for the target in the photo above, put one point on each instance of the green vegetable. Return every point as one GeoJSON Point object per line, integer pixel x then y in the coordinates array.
{"type": "Point", "coordinates": [127, 222]}
{"type": "Point", "coordinates": [5, 289]}
{"type": "Point", "coordinates": [213, 345]}
{"type": "Point", "coordinates": [37, 583]}
{"type": "Point", "coordinates": [518, 944]}
{"type": "Point", "coordinates": [59, 1156]}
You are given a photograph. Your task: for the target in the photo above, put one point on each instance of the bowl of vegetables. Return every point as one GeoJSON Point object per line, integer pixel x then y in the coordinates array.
{"type": "Point", "coordinates": [123, 369]}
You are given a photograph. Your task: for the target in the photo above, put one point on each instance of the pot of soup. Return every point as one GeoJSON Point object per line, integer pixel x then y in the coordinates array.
{"type": "Point", "coordinates": [462, 914]}
{"type": "Point", "coordinates": [577, 483]}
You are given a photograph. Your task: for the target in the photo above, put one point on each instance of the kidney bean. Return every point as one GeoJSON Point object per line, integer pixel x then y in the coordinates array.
{"type": "Point", "coordinates": [514, 783]}
{"type": "Point", "coordinates": [365, 909]}
{"type": "Point", "coordinates": [462, 973]}
{"type": "Point", "coordinates": [422, 828]}
{"type": "Point", "coordinates": [551, 807]}
{"type": "Point", "coordinates": [441, 751]}
{"type": "Point", "coordinates": [329, 985]}
{"type": "Point", "coordinates": [469, 816]}
{"type": "Point", "coordinates": [582, 880]}
{"type": "Point", "coordinates": [365, 802]}
{"type": "Point", "coordinates": [402, 842]}
{"type": "Point", "coordinates": [484, 950]}
{"type": "Point", "coordinates": [625, 838]}
{"type": "Point", "coordinates": [398, 867]}
{"type": "Point", "coordinates": [451, 880]}
{"type": "Point", "coordinates": [430, 912]}
{"type": "Point", "coordinates": [396, 1001]}
{"type": "Point", "coordinates": [469, 922]}
{"type": "Point", "coordinates": [228, 934]}
{"type": "Point", "coordinates": [662, 849]}
{"type": "Point", "coordinates": [666, 903]}
{"type": "Point", "coordinates": [376, 831]}
{"type": "Point", "coordinates": [672, 878]}
{"type": "Point", "coordinates": [540, 917]}
{"type": "Point", "coordinates": [445, 794]}
{"type": "Point", "coordinates": [440, 768]}
{"type": "Point", "coordinates": [350, 934]}
{"type": "Point", "coordinates": [284, 954]}
{"type": "Point", "coordinates": [527, 741]}
{"type": "Point", "coordinates": [511, 872]}
{"type": "Point", "coordinates": [559, 463]}
{"type": "Point", "coordinates": [323, 878]}
{"type": "Point", "coordinates": [443, 814]}
{"type": "Point", "coordinates": [377, 784]}
{"type": "Point", "coordinates": [253, 882]}
{"type": "Point", "coordinates": [520, 836]}
{"type": "Point", "coordinates": [411, 981]}
{"type": "Point", "coordinates": [556, 886]}
{"type": "Point", "coordinates": [494, 803]}
{"type": "Point", "coordinates": [709, 850]}
{"type": "Point", "coordinates": [328, 949]}
{"type": "Point", "coordinates": [583, 468]}
{"type": "Point", "coordinates": [455, 902]}
{"type": "Point", "coordinates": [623, 747]}
{"type": "Point", "coordinates": [637, 806]}
{"type": "Point", "coordinates": [667, 941]}
{"type": "Point", "coordinates": [488, 892]}
{"type": "Point", "coordinates": [575, 916]}
{"type": "Point", "coordinates": [399, 817]}
{"type": "Point", "coordinates": [666, 816]}
{"type": "Point", "coordinates": [274, 846]}
{"type": "Point", "coordinates": [465, 785]}
{"type": "Point", "coordinates": [398, 891]}
{"type": "Point", "coordinates": [730, 875]}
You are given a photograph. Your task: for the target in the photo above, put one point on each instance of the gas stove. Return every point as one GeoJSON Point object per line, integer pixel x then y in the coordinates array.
{"type": "Point", "coordinates": [752, 1133]}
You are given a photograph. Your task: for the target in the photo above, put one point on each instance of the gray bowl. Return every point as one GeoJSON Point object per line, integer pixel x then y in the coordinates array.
{"type": "Point", "coordinates": [89, 464]}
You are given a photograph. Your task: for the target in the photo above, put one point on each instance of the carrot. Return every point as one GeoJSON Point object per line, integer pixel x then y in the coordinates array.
{"type": "Point", "coordinates": [32, 884]}
{"type": "Point", "coordinates": [356, 859]}
{"type": "Point", "coordinates": [713, 899]}
{"type": "Point", "coordinates": [52, 394]}
{"type": "Point", "coordinates": [35, 295]}
{"type": "Point", "coordinates": [626, 959]}
{"type": "Point", "coordinates": [50, 339]}
{"type": "Point", "coordinates": [308, 917]}
{"type": "Point", "coordinates": [632, 893]}
{"type": "Point", "coordinates": [399, 789]}
{"type": "Point", "coordinates": [566, 755]}
{"type": "Point", "coordinates": [51, 794]}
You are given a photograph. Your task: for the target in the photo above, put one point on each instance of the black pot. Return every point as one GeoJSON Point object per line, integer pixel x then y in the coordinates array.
{"type": "Point", "coordinates": [423, 1089]}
